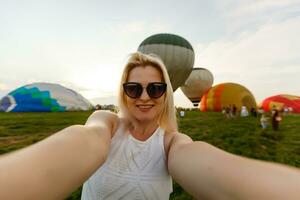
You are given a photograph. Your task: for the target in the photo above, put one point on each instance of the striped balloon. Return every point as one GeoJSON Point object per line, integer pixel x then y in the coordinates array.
{"type": "Point", "coordinates": [227, 94]}
{"type": "Point", "coordinates": [282, 101]}
{"type": "Point", "coordinates": [198, 82]}
{"type": "Point", "coordinates": [176, 52]}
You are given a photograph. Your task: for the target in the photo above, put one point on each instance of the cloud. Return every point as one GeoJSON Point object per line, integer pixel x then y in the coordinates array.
{"type": "Point", "coordinates": [139, 28]}
{"type": "Point", "coordinates": [261, 7]}
{"type": "Point", "coordinates": [4, 86]}
{"type": "Point", "coordinates": [252, 14]}
{"type": "Point", "coordinates": [266, 61]}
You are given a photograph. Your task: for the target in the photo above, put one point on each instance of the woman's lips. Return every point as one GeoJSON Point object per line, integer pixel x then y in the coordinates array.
{"type": "Point", "coordinates": [144, 108]}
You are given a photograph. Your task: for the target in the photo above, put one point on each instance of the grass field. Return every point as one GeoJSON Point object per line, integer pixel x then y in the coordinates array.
{"type": "Point", "coordinates": [242, 136]}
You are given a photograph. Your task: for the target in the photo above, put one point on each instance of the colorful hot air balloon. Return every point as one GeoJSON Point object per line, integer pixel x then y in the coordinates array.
{"type": "Point", "coordinates": [176, 52]}
{"type": "Point", "coordinates": [226, 94]}
{"type": "Point", "coordinates": [282, 101]}
{"type": "Point", "coordinates": [43, 97]}
{"type": "Point", "coordinates": [198, 82]}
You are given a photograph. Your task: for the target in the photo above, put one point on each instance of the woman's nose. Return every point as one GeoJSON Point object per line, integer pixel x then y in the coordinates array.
{"type": "Point", "coordinates": [144, 95]}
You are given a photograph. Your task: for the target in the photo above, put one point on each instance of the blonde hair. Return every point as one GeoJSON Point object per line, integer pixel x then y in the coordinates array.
{"type": "Point", "coordinates": [167, 118]}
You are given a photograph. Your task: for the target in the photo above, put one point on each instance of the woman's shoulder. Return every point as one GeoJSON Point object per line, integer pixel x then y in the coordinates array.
{"type": "Point", "coordinates": [173, 138]}
{"type": "Point", "coordinates": [178, 137]}
{"type": "Point", "coordinates": [104, 118]}
{"type": "Point", "coordinates": [103, 115]}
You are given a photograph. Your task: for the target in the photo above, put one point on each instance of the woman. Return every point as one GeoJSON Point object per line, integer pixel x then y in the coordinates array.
{"type": "Point", "coordinates": [136, 166]}
{"type": "Point", "coordinates": [134, 155]}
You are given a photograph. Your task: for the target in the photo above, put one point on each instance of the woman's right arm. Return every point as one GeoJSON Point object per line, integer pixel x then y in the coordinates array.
{"type": "Point", "coordinates": [56, 166]}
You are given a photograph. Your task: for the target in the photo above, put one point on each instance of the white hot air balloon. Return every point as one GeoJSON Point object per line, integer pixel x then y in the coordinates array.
{"type": "Point", "coordinates": [199, 81]}
{"type": "Point", "coordinates": [43, 97]}
{"type": "Point", "coordinates": [176, 53]}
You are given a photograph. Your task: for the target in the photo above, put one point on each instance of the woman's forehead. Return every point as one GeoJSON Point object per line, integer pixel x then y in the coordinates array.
{"type": "Point", "coordinates": [145, 74]}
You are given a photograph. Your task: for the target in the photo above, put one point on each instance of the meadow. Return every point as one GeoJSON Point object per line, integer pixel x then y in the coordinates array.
{"type": "Point", "coordinates": [242, 136]}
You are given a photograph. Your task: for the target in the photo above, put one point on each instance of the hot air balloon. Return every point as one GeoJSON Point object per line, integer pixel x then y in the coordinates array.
{"type": "Point", "coordinates": [226, 94]}
{"type": "Point", "coordinates": [282, 101]}
{"type": "Point", "coordinates": [43, 97]}
{"type": "Point", "coordinates": [176, 52]}
{"type": "Point", "coordinates": [196, 84]}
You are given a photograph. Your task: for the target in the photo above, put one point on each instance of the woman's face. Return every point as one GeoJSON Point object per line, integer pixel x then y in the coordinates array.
{"type": "Point", "coordinates": [145, 108]}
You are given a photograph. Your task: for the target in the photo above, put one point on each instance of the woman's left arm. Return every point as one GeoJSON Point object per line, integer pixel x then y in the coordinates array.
{"type": "Point", "coordinates": [207, 172]}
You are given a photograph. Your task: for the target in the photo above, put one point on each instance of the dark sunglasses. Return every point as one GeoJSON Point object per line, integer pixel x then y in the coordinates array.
{"type": "Point", "coordinates": [134, 90]}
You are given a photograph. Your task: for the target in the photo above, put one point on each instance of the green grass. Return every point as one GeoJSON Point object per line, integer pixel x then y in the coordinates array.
{"type": "Point", "coordinates": [242, 136]}
{"type": "Point", "coordinates": [18, 130]}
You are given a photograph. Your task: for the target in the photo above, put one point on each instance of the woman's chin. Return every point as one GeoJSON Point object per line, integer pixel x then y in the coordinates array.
{"type": "Point", "coordinates": [146, 118]}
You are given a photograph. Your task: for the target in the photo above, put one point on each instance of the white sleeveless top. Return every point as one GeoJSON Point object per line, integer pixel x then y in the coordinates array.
{"type": "Point", "coordinates": [133, 170]}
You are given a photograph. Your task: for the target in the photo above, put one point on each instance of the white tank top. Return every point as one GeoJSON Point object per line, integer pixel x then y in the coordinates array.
{"type": "Point", "coordinates": [133, 170]}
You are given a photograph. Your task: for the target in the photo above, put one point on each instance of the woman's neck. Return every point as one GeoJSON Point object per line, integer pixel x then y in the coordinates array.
{"type": "Point", "coordinates": [143, 131]}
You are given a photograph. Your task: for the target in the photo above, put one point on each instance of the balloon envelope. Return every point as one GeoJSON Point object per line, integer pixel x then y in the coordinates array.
{"type": "Point", "coordinates": [198, 82]}
{"type": "Point", "coordinates": [282, 101]}
{"type": "Point", "coordinates": [43, 97]}
{"type": "Point", "coordinates": [176, 53]}
{"type": "Point", "coordinates": [226, 94]}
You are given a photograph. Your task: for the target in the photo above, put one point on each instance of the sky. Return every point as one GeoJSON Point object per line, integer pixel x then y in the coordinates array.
{"type": "Point", "coordinates": [84, 44]}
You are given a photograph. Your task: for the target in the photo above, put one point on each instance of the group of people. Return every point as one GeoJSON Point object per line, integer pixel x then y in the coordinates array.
{"type": "Point", "coordinates": [136, 153]}
{"type": "Point", "coordinates": [230, 111]}
{"type": "Point", "coordinates": [276, 118]}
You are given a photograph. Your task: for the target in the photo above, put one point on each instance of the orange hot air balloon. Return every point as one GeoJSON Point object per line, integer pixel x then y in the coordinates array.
{"type": "Point", "coordinates": [198, 82]}
{"type": "Point", "coordinates": [226, 94]}
{"type": "Point", "coordinates": [282, 101]}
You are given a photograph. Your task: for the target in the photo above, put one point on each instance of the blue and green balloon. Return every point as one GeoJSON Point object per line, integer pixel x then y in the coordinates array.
{"type": "Point", "coordinates": [43, 97]}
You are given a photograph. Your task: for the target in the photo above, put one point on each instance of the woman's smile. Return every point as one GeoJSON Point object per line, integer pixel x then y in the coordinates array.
{"type": "Point", "coordinates": [144, 107]}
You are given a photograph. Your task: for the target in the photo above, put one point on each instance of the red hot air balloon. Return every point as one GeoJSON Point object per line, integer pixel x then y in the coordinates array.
{"type": "Point", "coordinates": [282, 101]}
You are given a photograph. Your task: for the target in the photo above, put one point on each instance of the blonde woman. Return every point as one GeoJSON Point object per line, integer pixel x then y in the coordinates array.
{"type": "Point", "coordinates": [134, 154]}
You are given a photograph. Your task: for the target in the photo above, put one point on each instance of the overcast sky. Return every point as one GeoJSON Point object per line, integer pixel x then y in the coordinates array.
{"type": "Point", "coordinates": [84, 44]}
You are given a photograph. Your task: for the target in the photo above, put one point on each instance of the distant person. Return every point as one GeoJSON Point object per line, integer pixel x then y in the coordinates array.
{"type": "Point", "coordinates": [285, 110]}
{"type": "Point", "coordinates": [227, 112]}
{"type": "Point", "coordinates": [223, 110]}
{"type": "Point", "coordinates": [181, 113]}
{"type": "Point", "coordinates": [260, 111]}
{"type": "Point", "coordinates": [273, 110]}
{"type": "Point", "coordinates": [136, 153]}
{"type": "Point", "coordinates": [98, 107]}
{"type": "Point", "coordinates": [253, 112]}
{"type": "Point", "coordinates": [244, 111]}
{"type": "Point", "coordinates": [264, 121]}
{"type": "Point", "coordinates": [276, 118]}
{"type": "Point", "coordinates": [234, 110]}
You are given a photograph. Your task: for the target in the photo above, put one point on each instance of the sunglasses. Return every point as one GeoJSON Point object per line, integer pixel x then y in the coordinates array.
{"type": "Point", "coordinates": [134, 90]}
